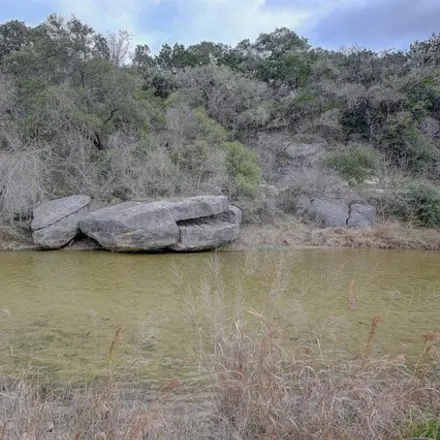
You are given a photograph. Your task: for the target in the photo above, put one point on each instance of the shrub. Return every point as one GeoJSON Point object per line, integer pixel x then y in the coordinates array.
{"type": "Point", "coordinates": [354, 164]}
{"type": "Point", "coordinates": [243, 168]}
{"type": "Point", "coordinates": [420, 201]}
{"type": "Point", "coordinates": [288, 198]}
{"type": "Point", "coordinates": [408, 148]}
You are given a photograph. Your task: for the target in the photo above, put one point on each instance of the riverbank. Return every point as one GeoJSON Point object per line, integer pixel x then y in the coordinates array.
{"type": "Point", "coordinates": [287, 233]}
{"type": "Point", "coordinates": [293, 233]}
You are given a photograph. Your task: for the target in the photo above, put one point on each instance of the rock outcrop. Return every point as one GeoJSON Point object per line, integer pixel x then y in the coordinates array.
{"type": "Point", "coordinates": [131, 227]}
{"type": "Point", "coordinates": [192, 224]}
{"type": "Point", "coordinates": [208, 233]}
{"type": "Point", "coordinates": [55, 223]}
{"type": "Point", "coordinates": [327, 212]}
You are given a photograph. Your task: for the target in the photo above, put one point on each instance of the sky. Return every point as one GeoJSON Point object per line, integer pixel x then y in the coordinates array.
{"type": "Point", "coordinates": [376, 24]}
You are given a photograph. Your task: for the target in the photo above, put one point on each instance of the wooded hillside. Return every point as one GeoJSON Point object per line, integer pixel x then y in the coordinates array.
{"type": "Point", "coordinates": [85, 113]}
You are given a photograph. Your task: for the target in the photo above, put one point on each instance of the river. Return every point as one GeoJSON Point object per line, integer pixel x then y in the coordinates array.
{"type": "Point", "coordinates": [59, 311]}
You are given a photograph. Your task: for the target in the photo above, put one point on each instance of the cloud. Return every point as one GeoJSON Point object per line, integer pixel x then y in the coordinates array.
{"type": "Point", "coordinates": [189, 21]}
{"type": "Point", "coordinates": [329, 23]}
{"type": "Point", "coordinates": [378, 24]}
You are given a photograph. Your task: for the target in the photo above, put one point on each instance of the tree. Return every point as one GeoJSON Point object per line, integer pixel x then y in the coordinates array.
{"type": "Point", "coordinates": [163, 59]}
{"type": "Point", "coordinates": [119, 45]}
{"type": "Point", "coordinates": [280, 57]}
{"type": "Point", "coordinates": [426, 53]}
{"type": "Point", "coordinates": [279, 42]}
{"type": "Point", "coordinates": [207, 52]}
{"type": "Point", "coordinates": [13, 35]}
{"type": "Point", "coordinates": [142, 56]}
{"type": "Point", "coordinates": [58, 52]}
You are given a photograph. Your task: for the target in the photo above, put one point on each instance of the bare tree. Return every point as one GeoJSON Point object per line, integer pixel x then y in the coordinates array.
{"type": "Point", "coordinates": [120, 44]}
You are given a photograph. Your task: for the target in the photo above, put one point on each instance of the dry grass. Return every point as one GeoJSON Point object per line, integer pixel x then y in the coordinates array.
{"type": "Point", "coordinates": [13, 238]}
{"type": "Point", "coordinates": [383, 236]}
{"type": "Point", "coordinates": [257, 389]}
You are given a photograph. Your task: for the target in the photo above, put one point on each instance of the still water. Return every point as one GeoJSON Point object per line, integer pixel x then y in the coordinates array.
{"type": "Point", "coordinates": [59, 311]}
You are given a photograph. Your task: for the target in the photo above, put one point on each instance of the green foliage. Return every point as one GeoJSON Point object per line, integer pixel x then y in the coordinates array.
{"type": "Point", "coordinates": [429, 430]}
{"type": "Point", "coordinates": [211, 130]}
{"type": "Point", "coordinates": [243, 167]}
{"type": "Point", "coordinates": [192, 157]}
{"type": "Point", "coordinates": [409, 149]}
{"type": "Point", "coordinates": [419, 201]}
{"type": "Point", "coordinates": [354, 164]}
{"type": "Point", "coordinates": [13, 35]}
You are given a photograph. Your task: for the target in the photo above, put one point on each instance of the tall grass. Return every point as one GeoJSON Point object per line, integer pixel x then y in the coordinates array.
{"type": "Point", "coordinates": [258, 386]}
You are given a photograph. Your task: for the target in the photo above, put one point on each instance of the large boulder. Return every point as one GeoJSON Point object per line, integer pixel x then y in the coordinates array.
{"type": "Point", "coordinates": [340, 211]}
{"type": "Point", "coordinates": [196, 223]}
{"type": "Point", "coordinates": [361, 216]}
{"type": "Point", "coordinates": [132, 227]}
{"type": "Point", "coordinates": [55, 223]}
{"type": "Point", "coordinates": [208, 233]}
{"type": "Point", "coordinates": [328, 213]}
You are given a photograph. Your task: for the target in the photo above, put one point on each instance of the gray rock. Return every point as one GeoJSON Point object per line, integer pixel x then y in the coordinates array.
{"type": "Point", "coordinates": [205, 234]}
{"type": "Point", "coordinates": [305, 155]}
{"type": "Point", "coordinates": [430, 127]}
{"type": "Point", "coordinates": [361, 216]}
{"type": "Point", "coordinates": [196, 207]}
{"type": "Point", "coordinates": [232, 215]}
{"type": "Point", "coordinates": [328, 213]}
{"type": "Point", "coordinates": [132, 227]}
{"type": "Point", "coordinates": [61, 233]}
{"type": "Point", "coordinates": [55, 223]}
{"type": "Point", "coordinates": [51, 212]}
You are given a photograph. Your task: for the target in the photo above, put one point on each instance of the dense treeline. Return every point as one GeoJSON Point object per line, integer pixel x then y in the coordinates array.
{"type": "Point", "coordinates": [84, 113]}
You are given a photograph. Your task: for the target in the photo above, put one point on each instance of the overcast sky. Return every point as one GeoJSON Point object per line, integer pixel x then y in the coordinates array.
{"type": "Point", "coordinates": [377, 24]}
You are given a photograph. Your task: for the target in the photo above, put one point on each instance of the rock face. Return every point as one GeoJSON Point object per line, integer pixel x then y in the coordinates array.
{"type": "Point", "coordinates": [132, 227]}
{"type": "Point", "coordinates": [326, 212]}
{"type": "Point", "coordinates": [55, 223]}
{"type": "Point", "coordinates": [192, 224]}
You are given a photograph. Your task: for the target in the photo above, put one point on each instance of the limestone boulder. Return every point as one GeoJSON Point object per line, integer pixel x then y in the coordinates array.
{"type": "Point", "coordinates": [132, 227]}
{"type": "Point", "coordinates": [209, 233]}
{"type": "Point", "coordinates": [361, 216]}
{"type": "Point", "coordinates": [328, 213]}
{"type": "Point", "coordinates": [56, 223]}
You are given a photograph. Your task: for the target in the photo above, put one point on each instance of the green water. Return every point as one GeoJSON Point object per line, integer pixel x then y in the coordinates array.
{"type": "Point", "coordinates": [59, 311]}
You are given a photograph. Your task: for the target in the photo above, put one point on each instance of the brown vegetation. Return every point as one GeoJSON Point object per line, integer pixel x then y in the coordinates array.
{"type": "Point", "coordinates": [258, 387]}
{"type": "Point", "coordinates": [296, 234]}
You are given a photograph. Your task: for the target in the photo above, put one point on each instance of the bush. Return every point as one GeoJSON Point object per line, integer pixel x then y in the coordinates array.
{"type": "Point", "coordinates": [243, 169]}
{"type": "Point", "coordinates": [420, 201]}
{"type": "Point", "coordinates": [354, 164]}
{"type": "Point", "coordinates": [288, 198]}
{"type": "Point", "coordinates": [409, 149]}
